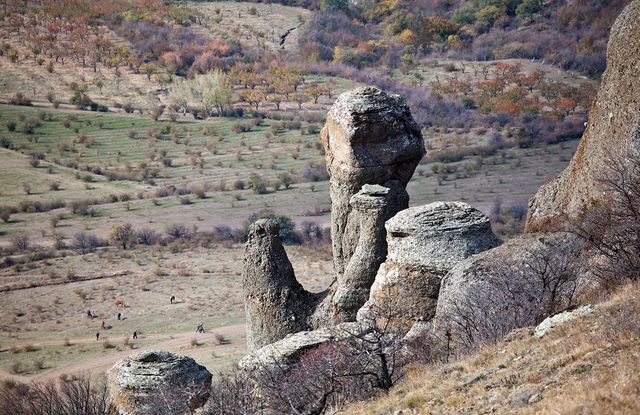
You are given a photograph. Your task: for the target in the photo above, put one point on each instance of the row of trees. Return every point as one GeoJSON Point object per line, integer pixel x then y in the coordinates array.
{"type": "Point", "coordinates": [515, 93]}
{"type": "Point", "coordinates": [212, 93]}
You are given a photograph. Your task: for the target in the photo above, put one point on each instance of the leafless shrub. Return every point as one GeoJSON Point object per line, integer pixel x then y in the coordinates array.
{"type": "Point", "coordinates": [84, 242]}
{"type": "Point", "coordinates": [233, 393]}
{"type": "Point", "coordinates": [612, 227]}
{"type": "Point", "coordinates": [521, 291]}
{"type": "Point", "coordinates": [77, 397]}
{"type": "Point", "coordinates": [20, 242]}
{"type": "Point", "coordinates": [147, 236]}
{"type": "Point", "coordinates": [327, 377]}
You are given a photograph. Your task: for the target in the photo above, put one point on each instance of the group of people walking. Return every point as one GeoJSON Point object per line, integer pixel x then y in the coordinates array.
{"type": "Point", "coordinates": [103, 326]}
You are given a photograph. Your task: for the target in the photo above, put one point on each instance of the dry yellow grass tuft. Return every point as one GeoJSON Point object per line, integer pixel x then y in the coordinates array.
{"type": "Point", "coordinates": [587, 366]}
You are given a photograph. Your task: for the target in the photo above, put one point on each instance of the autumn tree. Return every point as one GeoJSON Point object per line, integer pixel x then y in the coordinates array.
{"type": "Point", "coordinates": [122, 235]}
{"type": "Point", "coordinates": [148, 70]}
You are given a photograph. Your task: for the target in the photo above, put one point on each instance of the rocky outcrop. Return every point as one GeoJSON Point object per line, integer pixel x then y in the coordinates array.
{"type": "Point", "coordinates": [514, 285]}
{"type": "Point", "coordinates": [281, 355]}
{"type": "Point", "coordinates": [612, 132]}
{"type": "Point", "coordinates": [372, 148]}
{"type": "Point", "coordinates": [369, 137]}
{"type": "Point", "coordinates": [157, 382]}
{"type": "Point", "coordinates": [424, 243]}
{"type": "Point", "coordinates": [556, 320]}
{"type": "Point", "coordinates": [275, 302]}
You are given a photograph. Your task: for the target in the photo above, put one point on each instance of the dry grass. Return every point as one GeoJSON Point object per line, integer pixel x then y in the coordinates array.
{"type": "Point", "coordinates": [64, 336]}
{"type": "Point", "coordinates": [588, 366]}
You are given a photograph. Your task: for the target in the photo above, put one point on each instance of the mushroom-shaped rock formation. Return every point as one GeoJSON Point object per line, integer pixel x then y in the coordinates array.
{"type": "Point", "coordinates": [275, 302]}
{"type": "Point", "coordinates": [612, 133]}
{"type": "Point", "coordinates": [424, 243]}
{"type": "Point", "coordinates": [369, 137]}
{"type": "Point", "coordinates": [158, 382]}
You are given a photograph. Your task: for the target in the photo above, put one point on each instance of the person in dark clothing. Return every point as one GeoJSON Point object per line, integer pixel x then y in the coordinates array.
{"type": "Point", "coordinates": [119, 316]}
{"type": "Point", "coordinates": [135, 335]}
{"type": "Point", "coordinates": [172, 299]}
{"type": "Point", "coordinates": [89, 314]}
{"type": "Point", "coordinates": [97, 336]}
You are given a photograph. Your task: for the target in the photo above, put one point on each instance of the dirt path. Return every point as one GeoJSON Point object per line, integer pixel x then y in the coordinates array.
{"type": "Point", "coordinates": [101, 364]}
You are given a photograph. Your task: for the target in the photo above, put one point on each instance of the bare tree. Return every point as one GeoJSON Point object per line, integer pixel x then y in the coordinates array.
{"type": "Point", "coordinates": [611, 227]}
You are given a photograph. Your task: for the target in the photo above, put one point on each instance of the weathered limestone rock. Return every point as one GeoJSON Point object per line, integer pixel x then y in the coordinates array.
{"type": "Point", "coordinates": [157, 382]}
{"type": "Point", "coordinates": [369, 137]}
{"type": "Point", "coordinates": [424, 243]}
{"type": "Point", "coordinates": [372, 148]}
{"type": "Point", "coordinates": [284, 353]}
{"type": "Point", "coordinates": [489, 294]}
{"type": "Point", "coordinates": [369, 208]}
{"type": "Point", "coordinates": [275, 302]}
{"type": "Point", "coordinates": [613, 130]}
{"type": "Point", "coordinates": [550, 323]}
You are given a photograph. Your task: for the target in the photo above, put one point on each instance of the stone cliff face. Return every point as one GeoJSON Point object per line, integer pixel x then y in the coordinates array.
{"type": "Point", "coordinates": [613, 131]}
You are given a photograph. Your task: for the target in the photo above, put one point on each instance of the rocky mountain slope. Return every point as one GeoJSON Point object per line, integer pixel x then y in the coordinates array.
{"type": "Point", "coordinates": [587, 365]}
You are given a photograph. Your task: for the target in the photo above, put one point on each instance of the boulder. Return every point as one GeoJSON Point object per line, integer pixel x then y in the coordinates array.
{"type": "Point", "coordinates": [612, 132]}
{"type": "Point", "coordinates": [283, 354]}
{"type": "Point", "coordinates": [550, 323]}
{"type": "Point", "coordinates": [424, 243]}
{"type": "Point", "coordinates": [369, 137]}
{"type": "Point", "coordinates": [515, 285]}
{"type": "Point", "coordinates": [158, 382]}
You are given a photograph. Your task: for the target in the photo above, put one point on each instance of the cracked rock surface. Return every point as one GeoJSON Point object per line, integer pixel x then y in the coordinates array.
{"type": "Point", "coordinates": [369, 137]}
{"type": "Point", "coordinates": [424, 243]}
{"type": "Point", "coordinates": [612, 132]}
{"type": "Point", "coordinates": [154, 382]}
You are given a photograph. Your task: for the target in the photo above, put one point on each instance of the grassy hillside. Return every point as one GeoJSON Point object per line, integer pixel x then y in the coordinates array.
{"type": "Point", "coordinates": [586, 366]}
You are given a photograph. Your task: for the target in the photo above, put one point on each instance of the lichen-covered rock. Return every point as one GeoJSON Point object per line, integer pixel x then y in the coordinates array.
{"type": "Point", "coordinates": [158, 382]}
{"type": "Point", "coordinates": [551, 322]}
{"type": "Point", "coordinates": [275, 302]}
{"type": "Point", "coordinates": [514, 285]}
{"type": "Point", "coordinates": [613, 131]}
{"type": "Point", "coordinates": [284, 353]}
{"type": "Point", "coordinates": [424, 243]}
{"type": "Point", "coordinates": [369, 137]}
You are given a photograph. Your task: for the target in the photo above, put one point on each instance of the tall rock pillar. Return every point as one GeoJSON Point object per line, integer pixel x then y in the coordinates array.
{"type": "Point", "coordinates": [369, 137]}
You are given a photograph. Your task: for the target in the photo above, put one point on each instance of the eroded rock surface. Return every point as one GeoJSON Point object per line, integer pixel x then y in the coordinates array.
{"type": "Point", "coordinates": [514, 285]}
{"type": "Point", "coordinates": [276, 304]}
{"type": "Point", "coordinates": [158, 382]}
{"type": "Point", "coordinates": [369, 137]}
{"type": "Point", "coordinates": [424, 243]}
{"type": "Point", "coordinates": [613, 131]}
{"type": "Point", "coordinates": [284, 353]}
{"type": "Point", "coordinates": [369, 207]}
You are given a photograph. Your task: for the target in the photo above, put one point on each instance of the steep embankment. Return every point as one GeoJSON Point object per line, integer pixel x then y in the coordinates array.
{"type": "Point", "coordinates": [588, 365]}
